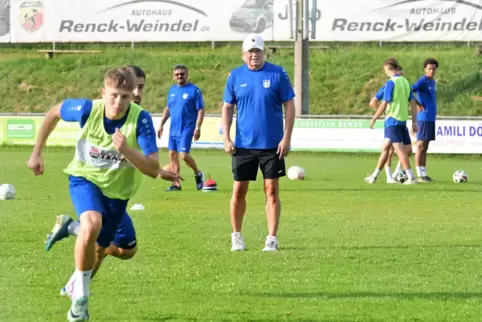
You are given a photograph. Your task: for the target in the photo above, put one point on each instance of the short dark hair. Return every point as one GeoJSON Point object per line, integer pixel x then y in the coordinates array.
{"type": "Point", "coordinates": [138, 71]}
{"type": "Point", "coordinates": [430, 61]}
{"type": "Point", "coordinates": [392, 63]}
{"type": "Point", "coordinates": [123, 77]}
{"type": "Point", "coordinates": [180, 66]}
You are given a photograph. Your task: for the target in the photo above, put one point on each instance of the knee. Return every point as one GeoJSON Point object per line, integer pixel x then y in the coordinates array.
{"type": "Point", "coordinates": [126, 254]}
{"type": "Point", "coordinates": [173, 155]}
{"type": "Point", "coordinates": [183, 156]}
{"type": "Point", "coordinates": [271, 192]}
{"type": "Point", "coordinates": [90, 224]}
{"type": "Point", "coordinates": [240, 190]}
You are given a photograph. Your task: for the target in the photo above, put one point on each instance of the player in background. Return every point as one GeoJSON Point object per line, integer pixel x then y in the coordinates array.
{"type": "Point", "coordinates": [425, 88]}
{"type": "Point", "coordinates": [397, 94]}
{"type": "Point", "coordinates": [117, 145]}
{"type": "Point", "coordinates": [375, 103]}
{"type": "Point", "coordinates": [124, 245]}
{"type": "Point", "coordinates": [185, 107]}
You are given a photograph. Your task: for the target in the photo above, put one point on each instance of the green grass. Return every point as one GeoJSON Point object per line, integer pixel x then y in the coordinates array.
{"type": "Point", "coordinates": [349, 251]}
{"type": "Point", "coordinates": [342, 79]}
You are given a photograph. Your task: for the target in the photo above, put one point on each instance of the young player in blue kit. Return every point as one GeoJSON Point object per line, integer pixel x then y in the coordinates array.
{"type": "Point", "coordinates": [259, 90]}
{"type": "Point", "coordinates": [116, 146]}
{"type": "Point", "coordinates": [396, 100]}
{"type": "Point", "coordinates": [425, 88]}
{"type": "Point", "coordinates": [185, 108]}
{"type": "Point", "coordinates": [124, 245]}
{"type": "Point", "coordinates": [374, 103]}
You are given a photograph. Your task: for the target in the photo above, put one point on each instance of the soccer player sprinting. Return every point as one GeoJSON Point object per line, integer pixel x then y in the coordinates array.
{"type": "Point", "coordinates": [427, 113]}
{"type": "Point", "coordinates": [259, 90]}
{"type": "Point", "coordinates": [185, 107]}
{"type": "Point", "coordinates": [115, 148]}
{"type": "Point", "coordinates": [375, 103]}
{"type": "Point", "coordinates": [397, 95]}
{"type": "Point", "coordinates": [124, 245]}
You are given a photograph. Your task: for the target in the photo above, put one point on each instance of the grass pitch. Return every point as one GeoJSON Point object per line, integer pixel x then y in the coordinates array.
{"type": "Point", "coordinates": [349, 251]}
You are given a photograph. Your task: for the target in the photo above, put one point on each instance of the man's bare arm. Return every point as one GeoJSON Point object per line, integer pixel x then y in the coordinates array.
{"type": "Point", "coordinates": [227, 120]}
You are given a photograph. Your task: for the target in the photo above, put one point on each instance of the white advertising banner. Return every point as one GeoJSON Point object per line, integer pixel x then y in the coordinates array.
{"type": "Point", "coordinates": [4, 21]}
{"type": "Point", "coordinates": [388, 20]}
{"type": "Point", "coordinates": [338, 135]}
{"type": "Point", "coordinates": [120, 20]}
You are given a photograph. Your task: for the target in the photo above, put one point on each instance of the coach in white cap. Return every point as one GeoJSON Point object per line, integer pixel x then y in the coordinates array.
{"type": "Point", "coordinates": [259, 90]}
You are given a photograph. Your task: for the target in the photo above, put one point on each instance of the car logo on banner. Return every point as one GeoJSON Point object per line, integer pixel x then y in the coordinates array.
{"type": "Point", "coordinates": [31, 15]}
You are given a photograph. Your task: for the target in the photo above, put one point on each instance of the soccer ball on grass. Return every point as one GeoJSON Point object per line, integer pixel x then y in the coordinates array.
{"type": "Point", "coordinates": [7, 192]}
{"type": "Point", "coordinates": [460, 176]}
{"type": "Point", "coordinates": [401, 176]}
{"type": "Point", "coordinates": [296, 173]}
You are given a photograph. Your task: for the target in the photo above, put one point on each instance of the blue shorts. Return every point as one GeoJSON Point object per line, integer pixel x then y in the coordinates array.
{"type": "Point", "coordinates": [87, 196]}
{"type": "Point", "coordinates": [398, 134]}
{"type": "Point", "coordinates": [426, 130]}
{"type": "Point", "coordinates": [125, 237]}
{"type": "Point", "coordinates": [180, 143]}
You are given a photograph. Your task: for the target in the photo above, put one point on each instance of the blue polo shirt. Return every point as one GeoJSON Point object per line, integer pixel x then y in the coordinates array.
{"type": "Point", "coordinates": [426, 92]}
{"type": "Point", "coordinates": [184, 103]}
{"type": "Point", "coordinates": [259, 96]}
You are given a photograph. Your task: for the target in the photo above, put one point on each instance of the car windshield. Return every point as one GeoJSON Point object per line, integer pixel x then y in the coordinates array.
{"type": "Point", "coordinates": [253, 4]}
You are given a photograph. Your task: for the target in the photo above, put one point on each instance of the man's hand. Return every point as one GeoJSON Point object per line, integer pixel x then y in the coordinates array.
{"type": "Point", "coordinates": [372, 123]}
{"type": "Point", "coordinates": [119, 140]}
{"type": "Point", "coordinates": [159, 132]}
{"type": "Point", "coordinates": [283, 148]}
{"type": "Point", "coordinates": [229, 147]}
{"type": "Point", "coordinates": [36, 164]}
{"type": "Point", "coordinates": [197, 134]}
{"type": "Point", "coordinates": [414, 127]}
{"type": "Point", "coordinates": [169, 175]}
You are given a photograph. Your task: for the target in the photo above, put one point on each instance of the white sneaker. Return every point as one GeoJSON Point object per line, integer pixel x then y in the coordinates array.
{"type": "Point", "coordinates": [78, 311]}
{"type": "Point", "coordinates": [271, 244]}
{"type": "Point", "coordinates": [237, 242]}
{"type": "Point", "coordinates": [392, 181]}
{"type": "Point", "coordinates": [411, 181]}
{"type": "Point", "coordinates": [370, 179]}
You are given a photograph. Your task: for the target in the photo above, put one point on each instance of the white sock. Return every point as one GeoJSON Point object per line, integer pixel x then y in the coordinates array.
{"type": "Point", "coordinates": [82, 281]}
{"type": "Point", "coordinates": [410, 174]}
{"type": "Point", "coordinates": [398, 168]}
{"type": "Point", "coordinates": [74, 228]}
{"type": "Point", "coordinates": [236, 234]}
{"type": "Point", "coordinates": [424, 171]}
{"type": "Point", "coordinates": [419, 172]}
{"type": "Point", "coordinates": [388, 172]}
{"type": "Point", "coordinates": [376, 173]}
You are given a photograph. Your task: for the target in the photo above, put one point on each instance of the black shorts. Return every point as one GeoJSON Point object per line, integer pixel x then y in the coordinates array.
{"type": "Point", "coordinates": [246, 163]}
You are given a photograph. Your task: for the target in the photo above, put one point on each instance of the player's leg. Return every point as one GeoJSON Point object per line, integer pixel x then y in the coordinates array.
{"type": "Point", "coordinates": [426, 133]}
{"type": "Point", "coordinates": [87, 201]}
{"type": "Point", "coordinates": [173, 147]}
{"type": "Point", "coordinates": [382, 160]}
{"type": "Point", "coordinates": [272, 168]}
{"type": "Point", "coordinates": [185, 145]}
{"type": "Point", "coordinates": [400, 143]}
{"type": "Point", "coordinates": [124, 245]}
{"type": "Point", "coordinates": [245, 168]}
{"type": "Point", "coordinates": [388, 167]}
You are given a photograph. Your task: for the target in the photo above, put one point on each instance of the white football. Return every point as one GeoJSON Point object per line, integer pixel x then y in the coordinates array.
{"type": "Point", "coordinates": [460, 176]}
{"type": "Point", "coordinates": [7, 192]}
{"type": "Point", "coordinates": [296, 173]}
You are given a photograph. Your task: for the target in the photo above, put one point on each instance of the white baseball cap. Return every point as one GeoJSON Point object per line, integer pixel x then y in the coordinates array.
{"type": "Point", "coordinates": [252, 42]}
